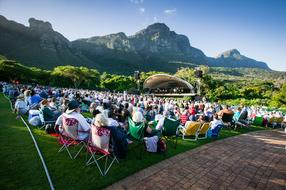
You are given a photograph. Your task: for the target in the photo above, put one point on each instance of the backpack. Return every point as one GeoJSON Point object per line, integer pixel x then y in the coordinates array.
{"type": "Point", "coordinates": [151, 143]}
{"type": "Point", "coordinates": [161, 146]}
{"type": "Point", "coordinates": [35, 121]}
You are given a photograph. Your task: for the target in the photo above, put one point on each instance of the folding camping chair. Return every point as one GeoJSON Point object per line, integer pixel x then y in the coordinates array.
{"type": "Point", "coordinates": [98, 147]}
{"type": "Point", "coordinates": [202, 132]}
{"type": "Point", "coordinates": [43, 122]}
{"type": "Point", "coordinates": [136, 132]}
{"type": "Point", "coordinates": [215, 132]}
{"type": "Point", "coordinates": [258, 120]}
{"type": "Point", "coordinates": [170, 130]}
{"type": "Point", "coordinates": [242, 120]}
{"type": "Point", "coordinates": [69, 136]}
{"type": "Point", "coordinates": [190, 130]}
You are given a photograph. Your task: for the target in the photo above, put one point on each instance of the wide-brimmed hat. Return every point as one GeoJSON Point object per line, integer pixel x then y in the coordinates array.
{"type": "Point", "coordinates": [21, 96]}
{"type": "Point", "coordinates": [44, 102]}
{"type": "Point", "coordinates": [72, 106]}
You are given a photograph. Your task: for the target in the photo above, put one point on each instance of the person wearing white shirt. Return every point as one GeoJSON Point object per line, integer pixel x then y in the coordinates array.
{"type": "Point", "coordinates": [21, 106]}
{"type": "Point", "coordinates": [73, 111]}
{"type": "Point", "coordinates": [216, 121]}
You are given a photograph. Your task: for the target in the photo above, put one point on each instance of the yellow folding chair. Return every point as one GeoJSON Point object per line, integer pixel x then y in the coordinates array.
{"type": "Point", "coordinates": [190, 130]}
{"type": "Point", "coordinates": [202, 133]}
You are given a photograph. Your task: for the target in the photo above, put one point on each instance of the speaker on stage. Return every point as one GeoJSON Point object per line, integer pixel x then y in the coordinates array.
{"type": "Point", "coordinates": [137, 75]}
{"type": "Point", "coordinates": [199, 73]}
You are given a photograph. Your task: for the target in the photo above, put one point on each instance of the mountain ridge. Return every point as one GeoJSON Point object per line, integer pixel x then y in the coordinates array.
{"type": "Point", "coordinates": [155, 47]}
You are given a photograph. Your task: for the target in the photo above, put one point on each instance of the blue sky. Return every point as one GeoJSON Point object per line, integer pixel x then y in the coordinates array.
{"type": "Point", "coordinates": [257, 28]}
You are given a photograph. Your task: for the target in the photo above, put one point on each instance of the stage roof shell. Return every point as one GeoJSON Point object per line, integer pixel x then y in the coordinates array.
{"type": "Point", "coordinates": [166, 81]}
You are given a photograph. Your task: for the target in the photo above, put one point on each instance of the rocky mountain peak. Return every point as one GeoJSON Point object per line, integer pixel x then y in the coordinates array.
{"type": "Point", "coordinates": [121, 35]}
{"type": "Point", "coordinates": [155, 28]}
{"type": "Point", "coordinates": [158, 27]}
{"type": "Point", "coordinates": [40, 25]}
{"type": "Point", "coordinates": [230, 53]}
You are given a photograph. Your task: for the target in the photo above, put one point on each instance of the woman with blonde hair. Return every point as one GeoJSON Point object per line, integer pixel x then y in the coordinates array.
{"type": "Point", "coordinates": [100, 120]}
{"type": "Point", "coordinates": [101, 134]}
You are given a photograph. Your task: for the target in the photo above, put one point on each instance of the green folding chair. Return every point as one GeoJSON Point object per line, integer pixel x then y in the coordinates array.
{"type": "Point", "coordinates": [136, 132]}
{"type": "Point", "coordinates": [170, 130]}
{"type": "Point", "coordinates": [258, 120]}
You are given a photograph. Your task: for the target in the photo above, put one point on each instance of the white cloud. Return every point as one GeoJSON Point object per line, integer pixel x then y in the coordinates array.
{"type": "Point", "coordinates": [137, 1]}
{"type": "Point", "coordinates": [141, 10]}
{"type": "Point", "coordinates": [170, 11]}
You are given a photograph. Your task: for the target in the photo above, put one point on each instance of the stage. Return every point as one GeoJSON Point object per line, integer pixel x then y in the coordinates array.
{"type": "Point", "coordinates": [172, 94]}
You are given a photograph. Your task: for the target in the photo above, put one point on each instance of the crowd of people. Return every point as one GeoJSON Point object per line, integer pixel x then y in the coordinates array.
{"type": "Point", "coordinates": [112, 110]}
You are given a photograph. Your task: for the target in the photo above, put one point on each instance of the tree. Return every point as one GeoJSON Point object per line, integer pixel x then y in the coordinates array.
{"type": "Point", "coordinates": [77, 76]}
{"type": "Point", "coordinates": [117, 82]}
{"type": "Point", "coordinates": [11, 71]}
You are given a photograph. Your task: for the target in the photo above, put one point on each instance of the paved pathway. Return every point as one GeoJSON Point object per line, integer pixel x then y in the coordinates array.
{"type": "Point", "coordinates": [250, 161]}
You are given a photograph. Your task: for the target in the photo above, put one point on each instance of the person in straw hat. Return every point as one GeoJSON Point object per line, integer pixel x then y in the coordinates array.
{"type": "Point", "coordinates": [21, 106]}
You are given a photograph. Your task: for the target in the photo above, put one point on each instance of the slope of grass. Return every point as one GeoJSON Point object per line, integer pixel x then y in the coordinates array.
{"type": "Point", "coordinates": [20, 166]}
{"type": "Point", "coordinates": [67, 173]}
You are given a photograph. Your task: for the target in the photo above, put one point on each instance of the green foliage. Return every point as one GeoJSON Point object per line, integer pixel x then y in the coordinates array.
{"type": "Point", "coordinates": [279, 98]}
{"type": "Point", "coordinates": [13, 71]}
{"type": "Point", "coordinates": [145, 75]}
{"type": "Point", "coordinates": [117, 82]}
{"type": "Point", "coordinates": [62, 76]}
{"type": "Point", "coordinates": [187, 74]}
{"type": "Point", "coordinates": [77, 76]}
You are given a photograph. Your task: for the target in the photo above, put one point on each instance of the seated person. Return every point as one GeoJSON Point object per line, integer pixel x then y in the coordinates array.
{"type": "Point", "coordinates": [160, 124]}
{"type": "Point", "coordinates": [125, 113]}
{"type": "Point", "coordinates": [35, 98]}
{"type": "Point", "coordinates": [215, 126]}
{"type": "Point", "coordinates": [21, 106]}
{"type": "Point", "coordinates": [119, 140]}
{"type": "Point", "coordinates": [184, 117]}
{"type": "Point", "coordinates": [111, 121]}
{"type": "Point", "coordinates": [225, 110]}
{"type": "Point", "coordinates": [64, 106]}
{"type": "Point", "coordinates": [237, 114]}
{"type": "Point", "coordinates": [216, 121]}
{"type": "Point", "coordinates": [201, 119]}
{"type": "Point", "coordinates": [53, 104]}
{"type": "Point", "coordinates": [240, 117]}
{"type": "Point", "coordinates": [48, 114]}
{"type": "Point", "coordinates": [73, 111]}
{"type": "Point", "coordinates": [138, 117]}
{"type": "Point", "coordinates": [92, 107]}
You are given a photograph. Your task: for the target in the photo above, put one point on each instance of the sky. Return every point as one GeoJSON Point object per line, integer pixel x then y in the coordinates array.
{"type": "Point", "coordinates": [257, 28]}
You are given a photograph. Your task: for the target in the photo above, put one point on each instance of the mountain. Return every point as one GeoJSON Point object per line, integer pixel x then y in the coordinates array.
{"type": "Point", "coordinates": [235, 59]}
{"type": "Point", "coordinates": [153, 48]}
{"type": "Point", "coordinates": [37, 45]}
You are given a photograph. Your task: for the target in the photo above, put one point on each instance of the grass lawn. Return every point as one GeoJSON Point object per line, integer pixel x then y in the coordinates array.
{"type": "Point", "coordinates": [21, 167]}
